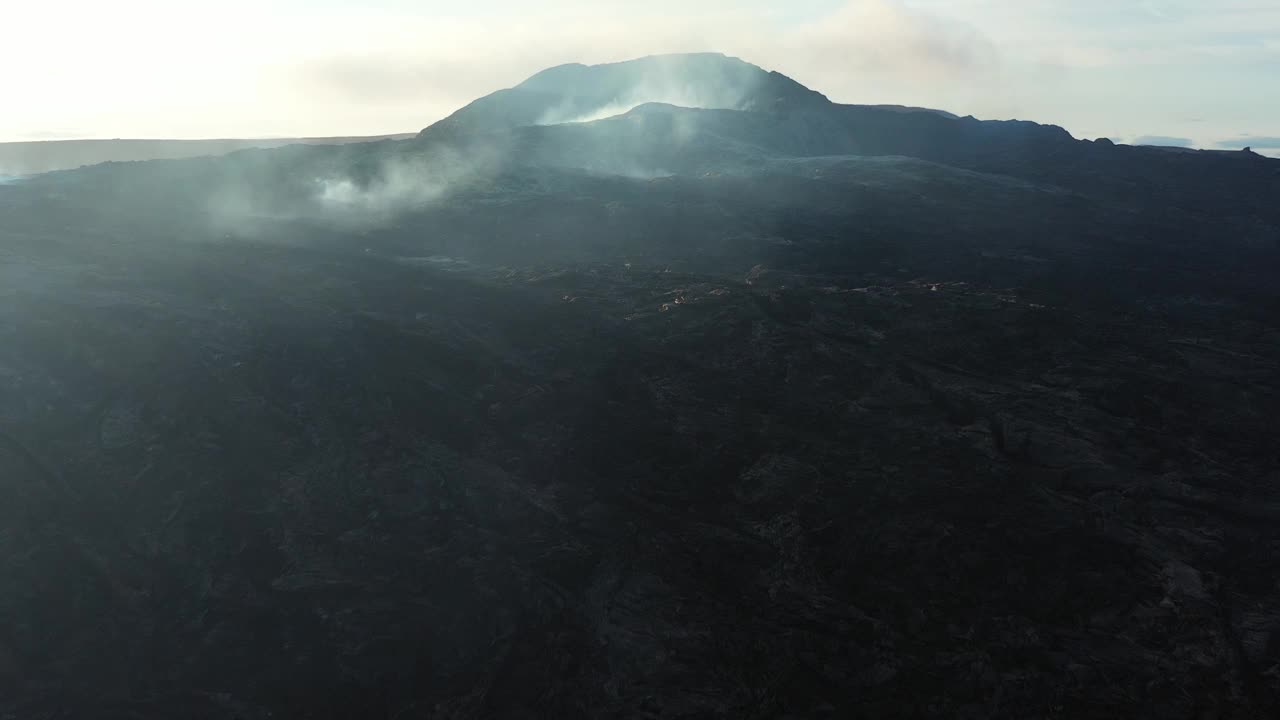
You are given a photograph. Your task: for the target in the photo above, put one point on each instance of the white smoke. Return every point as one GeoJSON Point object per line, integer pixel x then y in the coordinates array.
{"type": "Point", "coordinates": [392, 182]}
{"type": "Point", "coordinates": [399, 185]}
{"type": "Point", "coordinates": [674, 90]}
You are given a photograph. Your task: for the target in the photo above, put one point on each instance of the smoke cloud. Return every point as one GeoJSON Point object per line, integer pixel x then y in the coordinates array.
{"type": "Point", "coordinates": [350, 187]}
{"type": "Point", "coordinates": [685, 81]}
{"type": "Point", "coordinates": [397, 186]}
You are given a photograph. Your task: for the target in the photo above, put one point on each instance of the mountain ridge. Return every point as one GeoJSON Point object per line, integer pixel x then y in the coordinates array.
{"type": "Point", "coordinates": [41, 156]}
{"type": "Point", "coordinates": [1031, 150]}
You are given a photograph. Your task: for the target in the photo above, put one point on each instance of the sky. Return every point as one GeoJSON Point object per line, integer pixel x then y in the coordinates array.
{"type": "Point", "coordinates": [1200, 73]}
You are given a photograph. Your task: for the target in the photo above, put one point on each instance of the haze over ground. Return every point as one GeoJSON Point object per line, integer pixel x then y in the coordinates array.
{"type": "Point", "coordinates": [1175, 72]}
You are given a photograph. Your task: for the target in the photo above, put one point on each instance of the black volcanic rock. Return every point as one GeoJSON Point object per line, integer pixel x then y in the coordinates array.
{"type": "Point", "coordinates": [809, 411]}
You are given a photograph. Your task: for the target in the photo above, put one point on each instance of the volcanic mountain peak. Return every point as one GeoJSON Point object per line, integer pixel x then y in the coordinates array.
{"type": "Point", "coordinates": [729, 80]}
{"type": "Point", "coordinates": [578, 93]}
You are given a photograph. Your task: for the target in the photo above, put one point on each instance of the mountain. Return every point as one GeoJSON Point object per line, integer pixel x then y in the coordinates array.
{"type": "Point", "coordinates": [574, 93]}
{"type": "Point", "coordinates": [654, 110]}
{"type": "Point", "coordinates": [768, 407]}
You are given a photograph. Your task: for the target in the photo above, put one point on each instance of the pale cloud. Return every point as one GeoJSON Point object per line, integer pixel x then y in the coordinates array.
{"type": "Point", "coordinates": [255, 68]}
{"type": "Point", "coordinates": [865, 49]}
{"type": "Point", "coordinates": [1251, 141]}
{"type": "Point", "coordinates": [1163, 140]}
{"type": "Point", "coordinates": [1104, 33]}
{"type": "Point", "coordinates": [879, 36]}
{"type": "Point", "coordinates": [279, 67]}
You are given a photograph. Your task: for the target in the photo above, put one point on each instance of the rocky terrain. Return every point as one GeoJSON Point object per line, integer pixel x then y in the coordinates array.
{"type": "Point", "coordinates": [760, 410]}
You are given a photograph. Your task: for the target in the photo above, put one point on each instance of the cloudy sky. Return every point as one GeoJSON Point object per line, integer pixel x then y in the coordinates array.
{"type": "Point", "coordinates": [1196, 72]}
